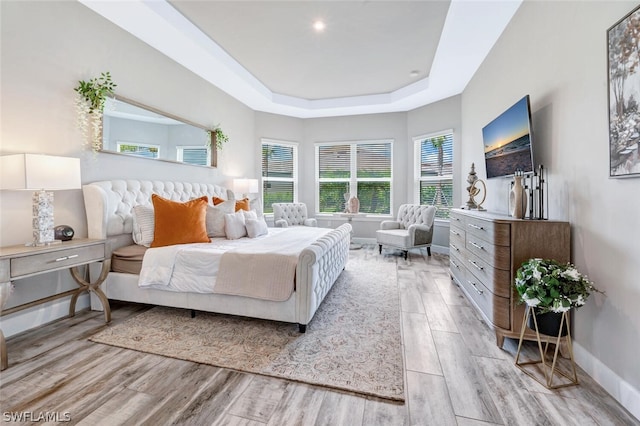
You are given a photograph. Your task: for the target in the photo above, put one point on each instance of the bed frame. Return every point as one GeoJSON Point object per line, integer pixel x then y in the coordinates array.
{"type": "Point", "coordinates": [109, 206]}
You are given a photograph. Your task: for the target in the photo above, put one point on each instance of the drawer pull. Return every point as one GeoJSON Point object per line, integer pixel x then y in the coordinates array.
{"type": "Point", "coordinates": [476, 245]}
{"type": "Point", "coordinates": [455, 248]}
{"type": "Point", "coordinates": [454, 263]}
{"type": "Point", "coordinates": [476, 227]}
{"type": "Point", "coordinates": [476, 265]}
{"type": "Point", "coordinates": [63, 258]}
{"type": "Point", "coordinates": [454, 232]}
{"type": "Point", "coordinates": [480, 291]}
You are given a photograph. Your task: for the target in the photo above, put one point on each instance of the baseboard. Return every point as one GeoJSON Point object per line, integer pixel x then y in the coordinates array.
{"type": "Point", "coordinates": [616, 386]}
{"type": "Point", "coordinates": [38, 315]}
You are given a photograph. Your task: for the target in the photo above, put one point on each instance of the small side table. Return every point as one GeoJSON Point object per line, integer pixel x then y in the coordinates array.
{"type": "Point", "coordinates": [550, 371]}
{"type": "Point", "coordinates": [17, 262]}
{"type": "Point", "coordinates": [350, 216]}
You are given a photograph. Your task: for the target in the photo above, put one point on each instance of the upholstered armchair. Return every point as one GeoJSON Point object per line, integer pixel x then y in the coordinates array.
{"type": "Point", "coordinates": [291, 214]}
{"type": "Point", "coordinates": [412, 228]}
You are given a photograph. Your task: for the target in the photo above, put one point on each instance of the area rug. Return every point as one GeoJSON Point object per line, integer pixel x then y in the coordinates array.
{"type": "Point", "coordinates": [353, 343]}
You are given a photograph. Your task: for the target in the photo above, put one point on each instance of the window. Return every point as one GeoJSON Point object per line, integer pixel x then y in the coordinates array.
{"type": "Point", "coordinates": [279, 173]}
{"type": "Point", "coordinates": [434, 171]}
{"type": "Point", "coordinates": [200, 155]}
{"type": "Point", "coordinates": [362, 169]}
{"type": "Point", "coordinates": [138, 149]}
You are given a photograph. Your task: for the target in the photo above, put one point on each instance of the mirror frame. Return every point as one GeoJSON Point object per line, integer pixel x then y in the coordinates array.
{"type": "Point", "coordinates": [212, 134]}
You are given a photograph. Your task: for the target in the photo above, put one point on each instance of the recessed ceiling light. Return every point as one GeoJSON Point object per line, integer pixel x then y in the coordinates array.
{"type": "Point", "coordinates": [319, 26]}
{"type": "Point", "coordinates": [414, 73]}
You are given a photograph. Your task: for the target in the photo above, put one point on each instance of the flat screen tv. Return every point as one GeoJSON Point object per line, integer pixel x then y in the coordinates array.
{"type": "Point", "coordinates": [507, 141]}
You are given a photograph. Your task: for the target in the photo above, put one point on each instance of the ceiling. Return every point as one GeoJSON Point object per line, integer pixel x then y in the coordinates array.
{"type": "Point", "coordinates": [372, 56]}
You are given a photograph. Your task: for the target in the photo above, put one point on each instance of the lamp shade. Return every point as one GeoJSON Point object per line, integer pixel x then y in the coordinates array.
{"type": "Point", "coordinates": [35, 172]}
{"type": "Point", "coordinates": [245, 186]}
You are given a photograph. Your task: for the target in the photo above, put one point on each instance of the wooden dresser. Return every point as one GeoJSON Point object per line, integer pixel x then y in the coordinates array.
{"type": "Point", "coordinates": [485, 252]}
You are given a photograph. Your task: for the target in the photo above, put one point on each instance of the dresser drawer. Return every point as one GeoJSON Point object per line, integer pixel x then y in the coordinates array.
{"type": "Point", "coordinates": [455, 248]}
{"type": "Point", "coordinates": [498, 281]}
{"type": "Point", "coordinates": [456, 236]}
{"type": "Point", "coordinates": [54, 260]}
{"type": "Point", "coordinates": [496, 256]}
{"type": "Point", "coordinates": [457, 219]}
{"type": "Point", "coordinates": [495, 308]}
{"type": "Point", "coordinates": [456, 266]}
{"type": "Point", "coordinates": [498, 233]}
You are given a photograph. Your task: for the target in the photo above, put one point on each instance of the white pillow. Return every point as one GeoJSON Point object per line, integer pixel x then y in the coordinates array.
{"type": "Point", "coordinates": [143, 225]}
{"type": "Point", "coordinates": [234, 225]}
{"type": "Point", "coordinates": [256, 227]}
{"type": "Point", "coordinates": [249, 214]}
{"type": "Point", "coordinates": [215, 218]}
{"type": "Point", "coordinates": [256, 205]}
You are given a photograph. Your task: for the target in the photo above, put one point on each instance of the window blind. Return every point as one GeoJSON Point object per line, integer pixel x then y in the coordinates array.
{"type": "Point", "coordinates": [279, 174]}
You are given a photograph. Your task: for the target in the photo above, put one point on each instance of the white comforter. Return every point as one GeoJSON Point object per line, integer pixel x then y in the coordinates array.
{"type": "Point", "coordinates": [262, 267]}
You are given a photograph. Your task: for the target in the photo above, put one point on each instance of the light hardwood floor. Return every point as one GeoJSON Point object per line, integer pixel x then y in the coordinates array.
{"type": "Point", "coordinates": [455, 374]}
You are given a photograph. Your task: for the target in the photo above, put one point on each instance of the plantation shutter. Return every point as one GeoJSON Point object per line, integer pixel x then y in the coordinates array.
{"type": "Point", "coordinates": [195, 156]}
{"type": "Point", "coordinates": [429, 156]}
{"type": "Point", "coordinates": [334, 161]}
{"type": "Point", "coordinates": [374, 160]}
{"type": "Point", "coordinates": [278, 174]}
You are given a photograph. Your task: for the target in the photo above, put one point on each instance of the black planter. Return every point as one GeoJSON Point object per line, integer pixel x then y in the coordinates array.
{"type": "Point", "coordinates": [548, 323]}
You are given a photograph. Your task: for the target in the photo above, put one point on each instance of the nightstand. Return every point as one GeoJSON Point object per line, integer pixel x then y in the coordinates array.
{"type": "Point", "coordinates": [17, 262]}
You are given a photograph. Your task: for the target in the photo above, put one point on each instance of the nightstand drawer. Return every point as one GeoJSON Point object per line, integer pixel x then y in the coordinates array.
{"type": "Point", "coordinates": [54, 260]}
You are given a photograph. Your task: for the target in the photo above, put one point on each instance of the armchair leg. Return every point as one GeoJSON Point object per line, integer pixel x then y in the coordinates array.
{"type": "Point", "coordinates": [429, 251]}
{"type": "Point", "coordinates": [405, 254]}
{"type": "Point", "coordinates": [380, 248]}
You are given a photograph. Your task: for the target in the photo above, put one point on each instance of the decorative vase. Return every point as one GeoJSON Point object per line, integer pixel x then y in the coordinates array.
{"type": "Point", "coordinates": [354, 205]}
{"type": "Point", "coordinates": [517, 199]}
{"type": "Point", "coordinates": [548, 323]}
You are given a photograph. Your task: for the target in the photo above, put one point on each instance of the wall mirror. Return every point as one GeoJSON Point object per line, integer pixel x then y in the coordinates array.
{"type": "Point", "coordinates": [130, 128]}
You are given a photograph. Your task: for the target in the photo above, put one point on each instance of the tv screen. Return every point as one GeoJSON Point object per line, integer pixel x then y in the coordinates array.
{"type": "Point", "coordinates": [507, 141]}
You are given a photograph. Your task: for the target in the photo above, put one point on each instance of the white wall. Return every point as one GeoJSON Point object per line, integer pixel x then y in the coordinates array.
{"type": "Point", "coordinates": [556, 52]}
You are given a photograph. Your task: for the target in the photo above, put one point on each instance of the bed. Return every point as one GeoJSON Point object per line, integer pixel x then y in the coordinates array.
{"type": "Point", "coordinates": [110, 206]}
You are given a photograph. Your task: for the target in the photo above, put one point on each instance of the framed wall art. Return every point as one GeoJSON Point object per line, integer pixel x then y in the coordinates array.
{"type": "Point", "coordinates": [623, 46]}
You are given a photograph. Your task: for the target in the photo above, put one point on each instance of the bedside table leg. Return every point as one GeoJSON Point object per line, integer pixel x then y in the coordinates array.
{"type": "Point", "coordinates": [5, 292]}
{"type": "Point", "coordinates": [92, 287]}
{"type": "Point", "coordinates": [4, 359]}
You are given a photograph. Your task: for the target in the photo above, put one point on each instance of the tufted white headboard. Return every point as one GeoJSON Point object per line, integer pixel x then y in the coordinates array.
{"type": "Point", "coordinates": [109, 204]}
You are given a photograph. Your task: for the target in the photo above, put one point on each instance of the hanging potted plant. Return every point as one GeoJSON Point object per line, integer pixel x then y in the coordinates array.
{"type": "Point", "coordinates": [90, 102]}
{"type": "Point", "coordinates": [218, 137]}
{"type": "Point", "coordinates": [551, 288]}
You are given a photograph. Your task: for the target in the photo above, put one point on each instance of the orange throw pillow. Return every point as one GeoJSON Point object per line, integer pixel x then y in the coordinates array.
{"type": "Point", "coordinates": [243, 204]}
{"type": "Point", "coordinates": [179, 223]}
{"type": "Point", "coordinates": [218, 200]}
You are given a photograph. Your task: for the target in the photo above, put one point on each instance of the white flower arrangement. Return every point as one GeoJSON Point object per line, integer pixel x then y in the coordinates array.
{"type": "Point", "coordinates": [551, 286]}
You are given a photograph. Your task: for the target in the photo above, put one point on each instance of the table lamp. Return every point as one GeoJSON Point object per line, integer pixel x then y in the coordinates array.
{"type": "Point", "coordinates": [41, 174]}
{"type": "Point", "coordinates": [245, 186]}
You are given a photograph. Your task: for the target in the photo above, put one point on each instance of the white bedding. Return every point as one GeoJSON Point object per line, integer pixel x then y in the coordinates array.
{"type": "Point", "coordinates": [248, 265]}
